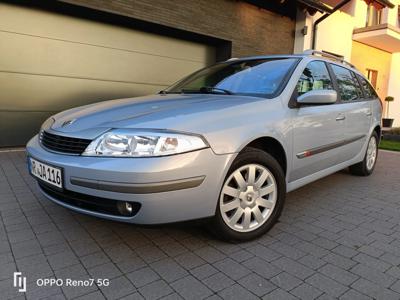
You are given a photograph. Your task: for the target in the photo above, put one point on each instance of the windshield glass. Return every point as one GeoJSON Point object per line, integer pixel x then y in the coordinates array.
{"type": "Point", "coordinates": [256, 77]}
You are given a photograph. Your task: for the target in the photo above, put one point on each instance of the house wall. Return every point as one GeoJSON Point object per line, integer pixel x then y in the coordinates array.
{"type": "Point", "coordinates": [365, 57]}
{"type": "Point", "coordinates": [391, 16]}
{"type": "Point", "coordinates": [333, 34]}
{"type": "Point", "coordinates": [251, 29]}
{"type": "Point", "coordinates": [394, 89]}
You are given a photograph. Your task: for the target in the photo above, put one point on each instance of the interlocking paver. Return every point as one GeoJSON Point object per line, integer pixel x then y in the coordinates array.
{"type": "Point", "coordinates": [168, 269]}
{"type": "Point", "coordinates": [108, 270]}
{"type": "Point", "coordinates": [373, 275]}
{"type": "Point", "coordinates": [345, 251]}
{"type": "Point", "coordinates": [210, 254]}
{"type": "Point", "coordinates": [95, 259]}
{"type": "Point", "coordinates": [237, 292]}
{"type": "Point", "coordinates": [286, 281]}
{"type": "Point", "coordinates": [155, 290]}
{"type": "Point", "coordinates": [218, 282]}
{"type": "Point", "coordinates": [337, 238]}
{"type": "Point", "coordinates": [293, 267]}
{"type": "Point", "coordinates": [279, 294]}
{"type": "Point", "coordinates": [262, 268]}
{"type": "Point", "coordinates": [373, 290]}
{"type": "Point", "coordinates": [189, 260]}
{"type": "Point", "coordinates": [142, 277]}
{"type": "Point", "coordinates": [92, 296]}
{"type": "Point", "coordinates": [204, 271]}
{"type": "Point", "coordinates": [354, 295]}
{"type": "Point", "coordinates": [338, 260]}
{"type": "Point", "coordinates": [264, 252]}
{"type": "Point", "coordinates": [191, 288]}
{"type": "Point", "coordinates": [257, 285]}
{"type": "Point", "coordinates": [371, 262]}
{"type": "Point", "coordinates": [312, 261]}
{"type": "Point", "coordinates": [241, 255]}
{"type": "Point", "coordinates": [62, 260]}
{"type": "Point", "coordinates": [118, 288]}
{"type": "Point", "coordinates": [338, 274]}
{"type": "Point", "coordinates": [306, 292]}
{"type": "Point", "coordinates": [232, 269]}
{"type": "Point", "coordinates": [329, 286]}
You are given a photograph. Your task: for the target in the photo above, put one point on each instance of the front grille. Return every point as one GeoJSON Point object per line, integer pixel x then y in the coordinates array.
{"type": "Point", "coordinates": [63, 144]}
{"type": "Point", "coordinates": [87, 202]}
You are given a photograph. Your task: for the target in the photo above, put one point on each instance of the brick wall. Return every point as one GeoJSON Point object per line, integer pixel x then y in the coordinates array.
{"type": "Point", "coordinates": [252, 30]}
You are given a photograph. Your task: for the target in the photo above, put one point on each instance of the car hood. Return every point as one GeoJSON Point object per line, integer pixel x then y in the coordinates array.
{"type": "Point", "coordinates": [196, 113]}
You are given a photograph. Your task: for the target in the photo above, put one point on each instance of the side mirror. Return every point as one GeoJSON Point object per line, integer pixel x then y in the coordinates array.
{"type": "Point", "coordinates": [318, 97]}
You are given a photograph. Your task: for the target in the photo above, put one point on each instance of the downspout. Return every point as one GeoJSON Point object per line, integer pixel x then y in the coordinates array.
{"type": "Point", "coordinates": [323, 17]}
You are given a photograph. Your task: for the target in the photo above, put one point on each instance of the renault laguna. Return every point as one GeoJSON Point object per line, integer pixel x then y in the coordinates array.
{"type": "Point", "coordinates": [224, 144]}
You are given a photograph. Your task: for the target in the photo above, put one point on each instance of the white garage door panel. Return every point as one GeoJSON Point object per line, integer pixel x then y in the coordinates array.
{"type": "Point", "coordinates": [45, 24]}
{"type": "Point", "coordinates": [27, 54]}
{"type": "Point", "coordinates": [50, 62]}
{"type": "Point", "coordinates": [49, 93]}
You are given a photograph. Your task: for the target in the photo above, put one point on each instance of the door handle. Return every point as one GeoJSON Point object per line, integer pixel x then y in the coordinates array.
{"type": "Point", "coordinates": [340, 117]}
{"type": "Point", "coordinates": [369, 113]}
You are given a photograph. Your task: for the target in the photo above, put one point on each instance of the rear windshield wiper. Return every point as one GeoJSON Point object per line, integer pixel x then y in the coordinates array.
{"type": "Point", "coordinates": [208, 90]}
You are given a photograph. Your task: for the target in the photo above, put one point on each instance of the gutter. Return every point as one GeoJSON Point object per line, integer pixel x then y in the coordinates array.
{"type": "Point", "coordinates": [323, 17]}
{"type": "Point", "coordinates": [385, 3]}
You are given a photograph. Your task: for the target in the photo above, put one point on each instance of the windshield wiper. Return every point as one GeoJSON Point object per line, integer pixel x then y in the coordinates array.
{"type": "Point", "coordinates": [165, 92]}
{"type": "Point", "coordinates": [208, 90]}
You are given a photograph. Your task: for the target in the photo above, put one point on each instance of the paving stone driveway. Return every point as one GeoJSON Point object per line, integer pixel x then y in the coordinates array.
{"type": "Point", "coordinates": [337, 238]}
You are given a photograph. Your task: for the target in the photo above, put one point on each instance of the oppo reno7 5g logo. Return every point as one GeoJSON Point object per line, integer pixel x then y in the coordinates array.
{"type": "Point", "coordinates": [20, 282]}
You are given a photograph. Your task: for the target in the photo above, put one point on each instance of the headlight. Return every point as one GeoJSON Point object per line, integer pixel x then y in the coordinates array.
{"type": "Point", "coordinates": [138, 143]}
{"type": "Point", "coordinates": [47, 124]}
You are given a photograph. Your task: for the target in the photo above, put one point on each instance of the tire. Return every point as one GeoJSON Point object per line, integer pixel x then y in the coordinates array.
{"type": "Point", "coordinates": [268, 188]}
{"type": "Point", "coordinates": [365, 168]}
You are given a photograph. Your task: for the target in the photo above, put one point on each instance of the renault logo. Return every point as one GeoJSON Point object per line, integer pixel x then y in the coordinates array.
{"type": "Point", "coordinates": [69, 122]}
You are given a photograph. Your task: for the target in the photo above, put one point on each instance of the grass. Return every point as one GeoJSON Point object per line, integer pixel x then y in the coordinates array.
{"type": "Point", "coordinates": [389, 145]}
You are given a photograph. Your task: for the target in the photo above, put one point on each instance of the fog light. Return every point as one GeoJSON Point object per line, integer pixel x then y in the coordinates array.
{"type": "Point", "coordinates": [125, 208]}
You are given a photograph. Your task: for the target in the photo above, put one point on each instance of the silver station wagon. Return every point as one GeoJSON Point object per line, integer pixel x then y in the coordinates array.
{"type": "Point", "coordinates": [224, 144]}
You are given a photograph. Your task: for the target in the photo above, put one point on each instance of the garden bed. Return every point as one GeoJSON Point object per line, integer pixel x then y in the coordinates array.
{"type": "Point", "coordinates": [391, 139]}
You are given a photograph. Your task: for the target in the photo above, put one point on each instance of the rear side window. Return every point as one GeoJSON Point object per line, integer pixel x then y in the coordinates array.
{"type": "Point", "coordinates": [315, 77]}
{"type": "Point", "coordinates": [349, 88]}
{"type": "Point", "coordinates": [367, 88]}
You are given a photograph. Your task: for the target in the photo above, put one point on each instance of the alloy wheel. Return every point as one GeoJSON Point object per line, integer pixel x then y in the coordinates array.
{"type": "Point", "coordinates": [371, 153]}
{"type": "Point", "coordinates": [248, 198]}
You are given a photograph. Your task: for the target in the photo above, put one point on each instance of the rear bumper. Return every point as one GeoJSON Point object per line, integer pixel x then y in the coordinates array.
{"type": "Point", "coordinates": [167, 189]}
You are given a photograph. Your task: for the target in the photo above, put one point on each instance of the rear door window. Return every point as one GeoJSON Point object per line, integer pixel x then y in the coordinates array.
{"type": "Point", "coordinates": [367, 88]}
{"type": "Point", "coordinates": [349, 89]}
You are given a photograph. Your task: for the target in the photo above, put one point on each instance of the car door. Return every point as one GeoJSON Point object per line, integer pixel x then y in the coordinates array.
{"type": "Point", "coordinates": [357, 108]}
{"type": "Point", "coordinates": [318, 130]}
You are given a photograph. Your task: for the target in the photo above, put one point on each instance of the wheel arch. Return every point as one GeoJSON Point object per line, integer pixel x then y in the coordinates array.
{"type": "Point", "coordinates": [273, 147]}
{"type": "Point", "coordinates": [378, 131]}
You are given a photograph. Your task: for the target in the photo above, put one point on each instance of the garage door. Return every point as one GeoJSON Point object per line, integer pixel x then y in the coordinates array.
{"type": "Point", "coordinates": [50, 62]}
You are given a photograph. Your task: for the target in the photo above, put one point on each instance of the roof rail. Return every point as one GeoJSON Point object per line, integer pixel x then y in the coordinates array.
{"type": "Point", "coordinates": [329, 55]}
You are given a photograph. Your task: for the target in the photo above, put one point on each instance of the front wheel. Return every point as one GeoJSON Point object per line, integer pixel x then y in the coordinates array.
{"type": "Point", "coordinates": [251, 198]}
{"type": "Point", "coordinates": [367, 165]}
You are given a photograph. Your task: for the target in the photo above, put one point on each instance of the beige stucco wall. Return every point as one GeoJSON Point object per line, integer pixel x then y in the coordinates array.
{"type": "Point", "coordinates": [394, 89]}
{"type": "Point", "coordinates": [335, 33]}
{"type": "Point", "coordinates": [365, 57]}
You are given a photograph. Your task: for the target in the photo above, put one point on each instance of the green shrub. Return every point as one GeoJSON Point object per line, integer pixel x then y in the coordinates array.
{"type": "Point", "coordinates": [389, 99]}
{"type": "Point", "coordinates": [395, 130]}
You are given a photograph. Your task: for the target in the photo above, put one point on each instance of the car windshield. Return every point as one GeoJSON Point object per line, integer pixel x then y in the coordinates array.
{"type": "Point", "coordinates": [256, 77]}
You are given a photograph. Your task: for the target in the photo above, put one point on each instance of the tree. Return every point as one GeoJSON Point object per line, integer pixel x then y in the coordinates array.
{"type": "Point", "coordinates": [388, 99]}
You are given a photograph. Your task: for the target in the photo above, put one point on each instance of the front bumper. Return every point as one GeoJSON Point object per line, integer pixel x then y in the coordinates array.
{"type": "Point", "coordinates": [168, 189]}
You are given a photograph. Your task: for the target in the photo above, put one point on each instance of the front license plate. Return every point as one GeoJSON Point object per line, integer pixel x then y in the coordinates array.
{"type": "Point", "coordinates": [46, 173]}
